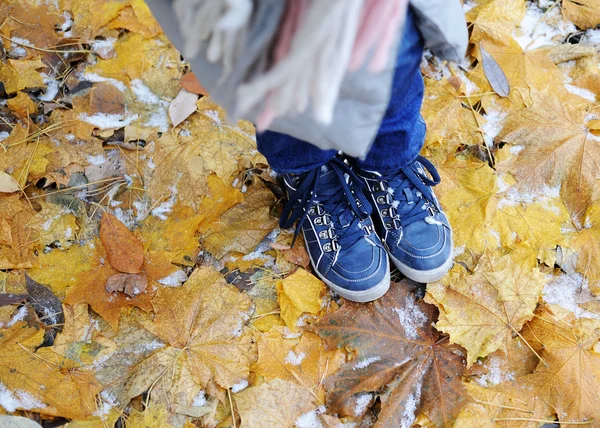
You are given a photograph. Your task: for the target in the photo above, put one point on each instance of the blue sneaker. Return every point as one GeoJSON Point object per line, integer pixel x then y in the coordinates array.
{"type": "Point", "coordinates": [410, 221]}
{"type": "Point", "coordinates": [333, 211]}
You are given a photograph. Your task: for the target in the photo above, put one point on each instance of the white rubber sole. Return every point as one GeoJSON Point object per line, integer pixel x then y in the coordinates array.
{"type": "Point", "coordinates": [424, 276]}
{"type": "Point", "coordinates": [363, 296]}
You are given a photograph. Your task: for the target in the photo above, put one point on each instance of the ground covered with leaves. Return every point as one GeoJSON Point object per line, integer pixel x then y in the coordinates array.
{"type": "Point", "coordinates": [144, 282]}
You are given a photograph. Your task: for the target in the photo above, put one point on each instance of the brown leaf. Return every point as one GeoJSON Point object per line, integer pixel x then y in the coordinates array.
{"type": "Point", "coordinates": [393, 338]}
{"type": "Point", "coordinates": [11, 299]}
{"type": "Point", "coordinates": [47, 306]}
{"type": "Point", "coordinates": [190, 83]}
{"type": "Point", "coordinates": [106, 98]}
{"type": "Point", "coordinates": [131, 284]}
{"type": "Point", "coordinates": [124, 251]}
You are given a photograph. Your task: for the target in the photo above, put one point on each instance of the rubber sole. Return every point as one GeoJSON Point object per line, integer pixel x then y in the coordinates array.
{"type": "Point", "coordinates": [424, 276]}
{"type": "Point", "coordinates": [363, 296]}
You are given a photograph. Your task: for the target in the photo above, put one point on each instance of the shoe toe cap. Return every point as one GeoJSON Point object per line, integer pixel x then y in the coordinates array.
{"type": "Point", "coordinates": [360, 267]}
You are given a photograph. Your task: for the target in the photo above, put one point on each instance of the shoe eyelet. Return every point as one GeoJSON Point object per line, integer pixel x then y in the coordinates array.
{"type": "Point", "coordinates": [327, 247]}
{"type": "Point", "coordinates": [394, 223]}
{"type": "Point", "coordinates": [384, 212]}
{"type": "Point", "coordinates": [376, 188]}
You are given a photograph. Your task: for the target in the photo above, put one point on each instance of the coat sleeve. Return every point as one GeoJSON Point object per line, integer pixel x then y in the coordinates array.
{"type": "Point", "coordinates": [443, 26]}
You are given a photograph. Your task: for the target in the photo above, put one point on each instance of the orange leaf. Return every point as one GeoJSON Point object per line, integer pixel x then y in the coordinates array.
{"type": "Point", "coordinates": [125, 253]}
{"type": "Point", "coordinates": [190, 83]}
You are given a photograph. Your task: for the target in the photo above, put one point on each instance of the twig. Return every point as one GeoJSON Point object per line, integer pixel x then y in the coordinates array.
{"type": "Point", "coordinates": [231, 406]}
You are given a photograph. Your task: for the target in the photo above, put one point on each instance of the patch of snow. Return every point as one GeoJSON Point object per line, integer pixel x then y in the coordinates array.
{"type": "Point", "coordinates": [535, 32]}
{"type": "Point", "coordinates": [93, 77]}
{"type": "Point", "coordinates": [143, 93]}
{"type": "Point", "coordinates": [107, 121]}
{"type": "Point", "coordinates": [493, 125]}
{"type": "Point", "coordinates": [19, 316]}
{"type": "Point", "coordinates": [175, 279]}
{"type": "Point", "coordinates": [459, 250]}
{"type": "Point", "coordinates": [68, 23]}
{"type": "Point", "coordinates": [165, 208]}
{"type": "Point", "coordinates": [581, 92]}
{"type": "Point", "coordinates": [158, 119]}
{"type": "Point", "coordinates": [470, 86]}
{"type": "Point", "coordinates": [22, 42]}
{"type": "Point", "coordinates": [244, 133]}
{"type": "Point", "coordinates": [413, 400]}
{"type": "Point", "coordinates": [411, 317]}
{"type": "Point", "coordinates": [239, 386]}
{"type": "Point", "coordinates": [199, 400]}
{"type": "Point", "coordinates": [106, 45]}
{"type": "Point", "coordinates": [365, 362]}
{"type": "Point", "coordinates": [515, 150]}
{"type": "Point", "coordinates": [591, 36]}
{"type": "Point", "coordinates": [495, 374]}
{"type": "Point", "coordinates": [4, 135]}
{"type": "Point", "coordinates": [310, 419]}
{"type": "Point", "coordinates": [70, 137]}
{"type": "Point", "coordinates": [542, 195]}
{"type": "Point", "coordinates": [214, 115]}
{"type": "Point", "coordinates": [18, 399]}
{"type": "Point", "coordinates": [17, 52]}
{"type": "Point", "coordinates": [362, 401]}
{"type": "Point", "coordinates": [567, 291]}
{"type": "Point", "coordinates": [96, 159]}
{"type": "Point", "coordinates": [144, 348]}
{"type": "Point", "coordinates": [184, 133]}
{"type": "Point", "coordinates": [52, 87]}
{"type": "Point", "coordinates": [294, 359]}
{"type": "Point", "coordinates": [288, 334]}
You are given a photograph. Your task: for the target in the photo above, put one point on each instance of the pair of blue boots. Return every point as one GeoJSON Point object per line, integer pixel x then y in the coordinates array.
{"type": "Point", "coordinates": [355, 222]}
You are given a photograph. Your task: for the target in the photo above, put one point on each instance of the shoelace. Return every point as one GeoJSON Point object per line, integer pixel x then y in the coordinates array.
{"type": "Point", "coordinates": [334, 202]}
{"type": "Point", "coordinates": [413, 188]}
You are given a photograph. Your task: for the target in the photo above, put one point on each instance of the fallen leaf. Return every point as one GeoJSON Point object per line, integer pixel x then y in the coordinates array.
{"type": "Point", "coordinates": [393, 339]}
{"type": "Point", "coordinates": [22, 105]}
{"type": "Point", "coordinates": [277, 403]}
{"type": "Point", "coordinates": [8, 184]}
{"type": "Point", "coordinates": [182, 106]}
{"type": "Point", "coordinates": [303, 360]}
{"type": "Point", "coordinates": [207, 329]}
{"type": "Point", "coordinates": [131, 284]}
{"type": "Point", "coordinates": [494, 73]}
{"type": "Point", "coordinates": [584, 13]}
{"type": "Point", "coordinates": [558, 150]}
{"type": "Point", "coordinates": [482, 311]}
{"type": "Point", "coordinates": [569, 375]}
{"type": "Point", "coordinates": [124, 251]}
{"type": "Point", "coordinates": [17, 422]}
{"type": "Point", "coordinates": [47, 306]}
{"type": "Point", "coordinates": [106, 98]}
{"type": "Point", "coordinates": [586, 244]}
{"type": "Point", "coordinates": [190, 83]}
{"type": "Point", "coordinates": [38, 380]}
{"type": "Point", "coordinates": [298, 294]}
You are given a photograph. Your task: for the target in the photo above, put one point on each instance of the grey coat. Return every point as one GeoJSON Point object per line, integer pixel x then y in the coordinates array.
{"type": "Point", "coordinates": [363, 97]}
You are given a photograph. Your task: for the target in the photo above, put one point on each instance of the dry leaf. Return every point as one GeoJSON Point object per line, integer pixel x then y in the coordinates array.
{"type": "Point", "coordinates": [182, 106]}
{"type": "Point", "coordinates": [277, 403]}
{"type": "Point", "coordinates": [393, 339]}
{"type": "Point", "coordinates": [190, 83]}
{"type": "Point", "coordinates": [584, 13]}
{"type": "Point", "coordinates": [131, 284]}
{"type": "Point", "coordinates": [8, 184]}
{"type": "Point", "coordinates": [106, 98]}
{"type": "Point", "coordinates": [494, 73]}
{"type": "Point", "coordinates": [298, 294]}
{"type": "Point", "coordinates": [124, 251]}
{"type": "Point", "coordinates": [484, 310]}
{"type": "Point", "coordinates": [38, 380]}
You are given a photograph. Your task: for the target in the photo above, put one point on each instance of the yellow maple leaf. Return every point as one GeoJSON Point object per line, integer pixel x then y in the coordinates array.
{"type": "Point", "coordinates": [298, 294]}
{"type": "Point", "coordinates": [207, 331]}
{"type": "Point", "coordinates": [586, 243]}
{"type": "Point", "coordinates": [40, 380]}
{"type": "Point", "coordinates": [278, 403]}
{"type": "Point", "coordinates": [495, 20]}
{"type": "Point", "coordinates": [484, 310]}
{"type": "Point", "coordinates": [568, 378]}
{"type": "Point", "coordinates": [302, 360]}
{"type": "Point", "coordinates": [557, 151]}
{"type": "Point", "coordinates": [584, 13]}
{"type": "Point", "coordinates": [18, 75]}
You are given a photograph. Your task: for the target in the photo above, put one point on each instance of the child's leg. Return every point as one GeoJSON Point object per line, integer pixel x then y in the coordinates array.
{"type": "Point", "coordinates": [402, 131]}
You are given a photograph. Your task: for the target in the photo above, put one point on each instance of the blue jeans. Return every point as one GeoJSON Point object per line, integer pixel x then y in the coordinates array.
{"type": "Point", "coordinates": [401, 133]}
